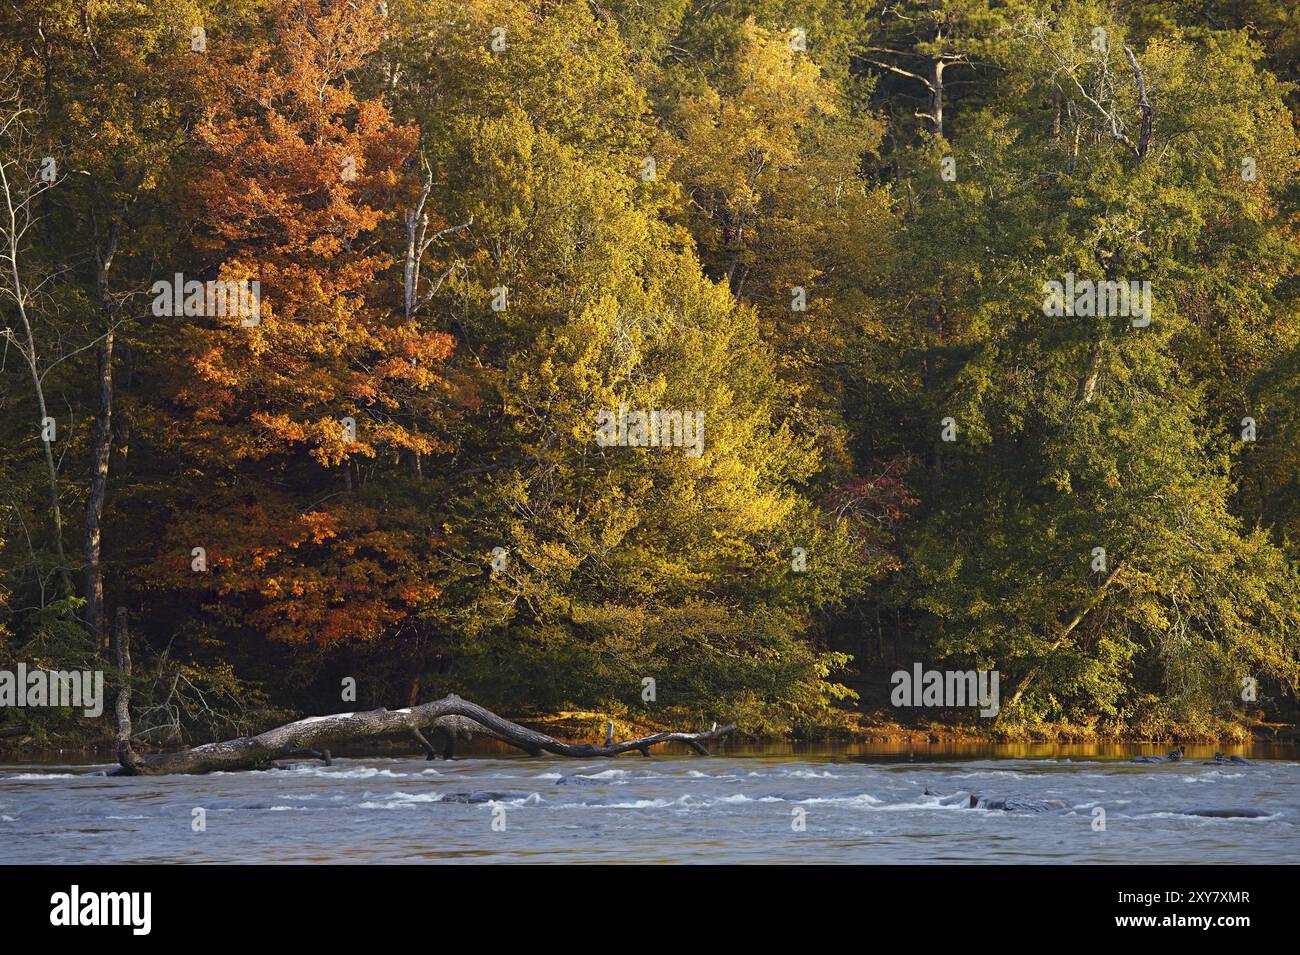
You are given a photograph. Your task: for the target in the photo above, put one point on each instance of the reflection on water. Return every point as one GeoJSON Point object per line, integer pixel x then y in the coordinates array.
{"type": "Point", "coordinates": [858, 803]}
{"type": "Point", "coordinates": [902, 748]}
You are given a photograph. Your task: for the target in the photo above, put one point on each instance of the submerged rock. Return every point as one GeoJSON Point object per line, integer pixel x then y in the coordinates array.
{"type": "Point", "coordinates": [482, 796]}
{"type": "Point", "coordinates": [1221, 760]}
{"type": "Point", "coordinates": [1175, 755]}
{"type": "Point", "coordinates": [950, 799]}
{"type": "Point", "coordinates": [1003, 804]}
{"type": "Point", "coordinates": [1018, 804]}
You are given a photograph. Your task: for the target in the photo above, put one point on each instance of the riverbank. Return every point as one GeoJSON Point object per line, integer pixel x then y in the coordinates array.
{"type": "Point", "coordinates": [576, 726]}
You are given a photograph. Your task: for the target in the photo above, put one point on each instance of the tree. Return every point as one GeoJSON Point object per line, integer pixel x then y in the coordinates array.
{"type": "Point", "coordinates": [286, 412]}
{"type": "Point", "coordinates": [21, 186]}
{"type": "Point", "coordinates": [1086, 433]}
{"type": "Point", "coordinates": [613, 564]}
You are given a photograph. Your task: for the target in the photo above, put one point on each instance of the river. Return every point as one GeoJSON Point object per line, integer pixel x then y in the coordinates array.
{"type": "Point", "coordinates": [851, 804]}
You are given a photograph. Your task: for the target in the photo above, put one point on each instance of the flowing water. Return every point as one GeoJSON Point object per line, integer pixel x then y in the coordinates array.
{"type": "Point", "coordinates": [856, 805]}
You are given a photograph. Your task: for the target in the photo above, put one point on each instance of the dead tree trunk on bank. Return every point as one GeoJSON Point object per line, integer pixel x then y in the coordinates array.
{"type": "Point", "coordinates": [449, 717]}
{"type": "Point", "coordinates": [126, 755]}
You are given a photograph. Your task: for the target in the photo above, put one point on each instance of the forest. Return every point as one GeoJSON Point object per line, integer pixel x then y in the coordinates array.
{"type": "Point", "coordinates": [676, 361]}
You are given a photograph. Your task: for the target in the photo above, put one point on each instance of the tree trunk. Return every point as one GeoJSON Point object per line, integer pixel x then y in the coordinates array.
{"type": "Point", "coordinates": [450, 717]}
{"type": "Point", "coordinates": [99, 455]}
{"type": "Point", "coordinates": [315, 735]}
{"type": "Point", "coordinates": [936, 94]}
{"type": "Point", "coordinates": [126, 754]}
{"type": "Point", "coordinates": [1088, 382]}
{"type": "Point", "coordinates": [93, 584]}
{"type": "Point", "coordinates": [1069, 628]}
{"type": "Point", "coordinates": [12, 232]}
{"type": "Point", "coordinates": [1148, 114]}
{"type": "Point", "coordinates": [52, 471]}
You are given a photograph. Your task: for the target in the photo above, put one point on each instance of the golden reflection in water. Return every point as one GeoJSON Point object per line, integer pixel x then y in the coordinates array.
{"type": "Point", "coordinates": [945, 750]}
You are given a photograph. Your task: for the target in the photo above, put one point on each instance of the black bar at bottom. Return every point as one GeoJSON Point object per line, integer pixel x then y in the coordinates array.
{"type": "Point", "coordinates": [338, 904]}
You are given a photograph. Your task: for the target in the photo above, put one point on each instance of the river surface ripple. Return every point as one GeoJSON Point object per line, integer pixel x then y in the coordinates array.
{"type": "Point", "coordinates": [671, 808]}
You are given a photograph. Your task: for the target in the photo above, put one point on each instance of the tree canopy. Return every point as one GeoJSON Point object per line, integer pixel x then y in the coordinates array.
{"type": "Point", "coordinates": [679, 358]}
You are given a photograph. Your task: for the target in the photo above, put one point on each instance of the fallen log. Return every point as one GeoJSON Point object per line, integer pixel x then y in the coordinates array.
{"type": "Point", "coordinates": [315, 735]}
{"type": "Point", "coordinates": [451, 717]}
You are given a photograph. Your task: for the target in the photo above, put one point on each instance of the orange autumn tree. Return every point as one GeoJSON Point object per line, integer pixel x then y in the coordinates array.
{"type": "Point", "coordinates": [302, 420]}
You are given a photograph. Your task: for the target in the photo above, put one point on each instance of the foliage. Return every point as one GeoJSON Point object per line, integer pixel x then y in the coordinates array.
{"type": "Point", "coordinates": [822, 228]}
